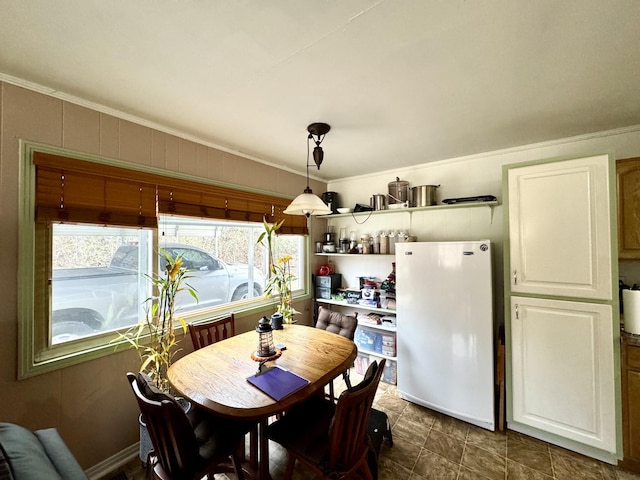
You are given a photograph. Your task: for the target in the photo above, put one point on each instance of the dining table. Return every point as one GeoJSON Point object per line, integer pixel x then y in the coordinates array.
{"type": "Point", "coordinates": [215, 377]}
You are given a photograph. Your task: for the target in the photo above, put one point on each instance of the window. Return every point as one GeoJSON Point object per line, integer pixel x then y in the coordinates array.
{"type": "Point", "coordinates": [232, 247]}
{"type": "Point", "coordinates": [98, 282]}
{"type": "Point", "coordinates": [87, 252]}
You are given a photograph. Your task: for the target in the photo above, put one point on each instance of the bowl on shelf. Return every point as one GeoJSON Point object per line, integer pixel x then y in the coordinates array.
{"type": "Point", "coordinates": [344, 210]}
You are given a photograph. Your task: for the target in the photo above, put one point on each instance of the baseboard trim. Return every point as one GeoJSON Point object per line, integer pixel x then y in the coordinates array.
{"type": "Point", "coordinates": [110, 465]}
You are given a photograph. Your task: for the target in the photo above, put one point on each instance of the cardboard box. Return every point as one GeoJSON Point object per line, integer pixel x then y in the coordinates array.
{"type": "Point", "coordinates": [352, 296]}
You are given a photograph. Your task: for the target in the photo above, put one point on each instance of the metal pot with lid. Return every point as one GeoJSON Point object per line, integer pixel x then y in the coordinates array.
{"type": "Point", "coordinates": [423, 195]}
{"type": "Point", "coordinates": [398, 191]}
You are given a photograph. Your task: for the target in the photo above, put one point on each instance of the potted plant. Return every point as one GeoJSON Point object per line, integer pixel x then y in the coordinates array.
{"type": "Point", "coordinates": [154, 336]}
{"type": "Point", "coordinates": [280, 276]}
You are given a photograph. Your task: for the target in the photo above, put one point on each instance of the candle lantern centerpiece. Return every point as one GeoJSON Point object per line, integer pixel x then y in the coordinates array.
{"type": "Point", "coordinates": [266, 347]}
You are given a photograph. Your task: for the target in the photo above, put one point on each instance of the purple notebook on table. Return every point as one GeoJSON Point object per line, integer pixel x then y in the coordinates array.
{"type": "Point", "coordinates": [278, 383]}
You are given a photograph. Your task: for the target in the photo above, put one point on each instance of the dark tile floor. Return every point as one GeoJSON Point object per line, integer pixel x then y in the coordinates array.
{"type": "Point", "coordinates": [429, 445]}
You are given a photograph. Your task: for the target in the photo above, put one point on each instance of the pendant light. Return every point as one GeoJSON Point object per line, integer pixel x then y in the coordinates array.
{"type": "Point", "coordinates": [307, 203]}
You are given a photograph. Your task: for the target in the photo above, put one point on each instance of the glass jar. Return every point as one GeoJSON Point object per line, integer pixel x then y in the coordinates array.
{"type": "Point", "coordinates": [353, 241]}
{"type": "Point", "coordinates": [384, 243]}
{"type": "Point", "coordinates": [375, 243]}
{"type": "Point", "coordinates": [365, 241]}
{"type": "Point", "coordinates": [392, 242]}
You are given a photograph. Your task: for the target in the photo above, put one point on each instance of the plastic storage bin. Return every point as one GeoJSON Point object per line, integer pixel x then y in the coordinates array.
{"type": "Point", "coordinates": [368, 339]}
{"type": "Point", "coordinates": [390, 374]}
{"type": "Point", "coordinates": [375, 341]}
{"type": "Point", "coordinates": [327, 285]}
{"type": "Point", "coordinates": [389, 344]}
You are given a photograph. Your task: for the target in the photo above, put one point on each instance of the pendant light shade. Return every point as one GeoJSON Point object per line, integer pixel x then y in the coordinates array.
{"type": "Point", "coordinates": [307, 203]}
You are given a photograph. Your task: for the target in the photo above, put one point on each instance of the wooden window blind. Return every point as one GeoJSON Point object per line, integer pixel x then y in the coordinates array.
{"type": "Point", "coordinates": [72, 190]}
{"type": "Point", "coordinates": [223, 203]}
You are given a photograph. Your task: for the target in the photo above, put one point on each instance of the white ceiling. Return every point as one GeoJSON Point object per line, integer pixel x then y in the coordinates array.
{"type": "Point", "coordinates": [401, 82]}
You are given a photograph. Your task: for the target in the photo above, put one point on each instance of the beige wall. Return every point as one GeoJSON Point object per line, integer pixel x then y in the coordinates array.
{"type": "Point", "coordinates": [91, 404]}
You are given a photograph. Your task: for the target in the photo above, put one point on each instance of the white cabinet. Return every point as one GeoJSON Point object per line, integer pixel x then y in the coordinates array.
{"type": "Point", "coordinates": [561, 369]}
{"type": "Point", "coordinates": [559, 228]}
{"type": "Point", "coordinates": [561, 317]}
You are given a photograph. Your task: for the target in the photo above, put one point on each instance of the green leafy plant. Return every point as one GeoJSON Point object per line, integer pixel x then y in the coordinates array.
{"type": "Point", "coordinates": [154, 336]}
{"type": "Point", "coordinates": [280, 276]}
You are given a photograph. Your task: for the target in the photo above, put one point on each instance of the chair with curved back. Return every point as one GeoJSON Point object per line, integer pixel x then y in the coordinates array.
{"type": "Point", "coordinates": [212, 331]}
{"type": "Point", "coordinates": [206, 333]}
{"type": "Point", "coordinates": [341, 324]}
{"type": "Point", "coordinates": [187, 447]}
{"type": "Point", "coordinates": [331, 438]}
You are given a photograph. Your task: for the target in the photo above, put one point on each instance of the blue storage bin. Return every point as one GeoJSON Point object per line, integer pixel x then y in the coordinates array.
{"type": "Point", "coordinates": [368, 339]}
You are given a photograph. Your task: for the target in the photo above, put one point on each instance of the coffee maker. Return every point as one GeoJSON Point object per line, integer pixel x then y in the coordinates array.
{"type": "Point", "coordinates": [331, 199]}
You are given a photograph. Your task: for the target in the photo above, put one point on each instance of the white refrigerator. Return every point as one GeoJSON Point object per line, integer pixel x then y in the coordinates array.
{"type": "Point", "coordinates": [445, 328]}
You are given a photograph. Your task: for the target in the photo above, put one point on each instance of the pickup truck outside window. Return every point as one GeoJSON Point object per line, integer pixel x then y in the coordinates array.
{"type": "Point", "coordinates": [100, 274]}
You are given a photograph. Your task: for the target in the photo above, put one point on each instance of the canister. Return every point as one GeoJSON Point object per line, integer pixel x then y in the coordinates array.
{"type": "Point", "coordinates": [378, 202]}
{"type": "Point", "coordinates": [375, 243]}
{"type": "Point", "coordinates": [392, 243]}
{"type": "Point", "coordinates": [365, 242]}
{"type": "Point", "coordinates": [384, 243]}
{"type": "Point", "coordinates": [398, 191]}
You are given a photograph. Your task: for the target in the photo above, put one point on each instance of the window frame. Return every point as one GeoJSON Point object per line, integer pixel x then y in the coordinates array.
{"type": "Point", "coordinates": [34, 355]}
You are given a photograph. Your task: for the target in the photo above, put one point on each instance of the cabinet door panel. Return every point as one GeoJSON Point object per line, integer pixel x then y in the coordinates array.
{"type": "Point", "coordinates": [633, 415]}
{"type": "Point", "coordinates": [562, 369]}
{"type": "Point", "coordinates": [559, 228]}
{"type": "Point", "coordinates": [628, 181]}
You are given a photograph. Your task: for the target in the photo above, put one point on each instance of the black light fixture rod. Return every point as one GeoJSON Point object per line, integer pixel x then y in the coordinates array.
{"type": "Point", "coordinates": [318, 129]}
{"type": "Point", "coordinates": [310, 137]}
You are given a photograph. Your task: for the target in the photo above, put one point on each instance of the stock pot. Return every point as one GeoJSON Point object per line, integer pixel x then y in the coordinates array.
{"type": "Point", "coordinates": [423, 195]}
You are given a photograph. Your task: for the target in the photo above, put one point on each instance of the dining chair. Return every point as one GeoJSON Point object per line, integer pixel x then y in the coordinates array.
{"type": "Point", "coordinates": [341, 324]}
{"type": "Point", "coordinates": [331, 438]}
{"type": "Point", "coordinates": [212, 331]}
{"type": "Point", "coordinates": [206, 333]}
{"type": "Point", "coordinates": [187, 446]}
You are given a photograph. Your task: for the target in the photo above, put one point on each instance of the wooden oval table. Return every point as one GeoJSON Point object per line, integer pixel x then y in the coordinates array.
{"type": "Point", "coordinates": [215, 377]}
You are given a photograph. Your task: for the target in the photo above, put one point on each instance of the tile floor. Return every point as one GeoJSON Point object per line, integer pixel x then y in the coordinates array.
{"type": "Point", "coordinates": [429, 445]}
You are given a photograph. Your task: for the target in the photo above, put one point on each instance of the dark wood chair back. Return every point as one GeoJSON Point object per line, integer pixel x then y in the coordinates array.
{"type": "Point", "coordinates": [348, 435]}
{"type": "Point", "coordinates": [174, 441]}
{"type": "Point", "coordinates": [212, 331]}
{"type": "Point", "coordinates": [331, 438]}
